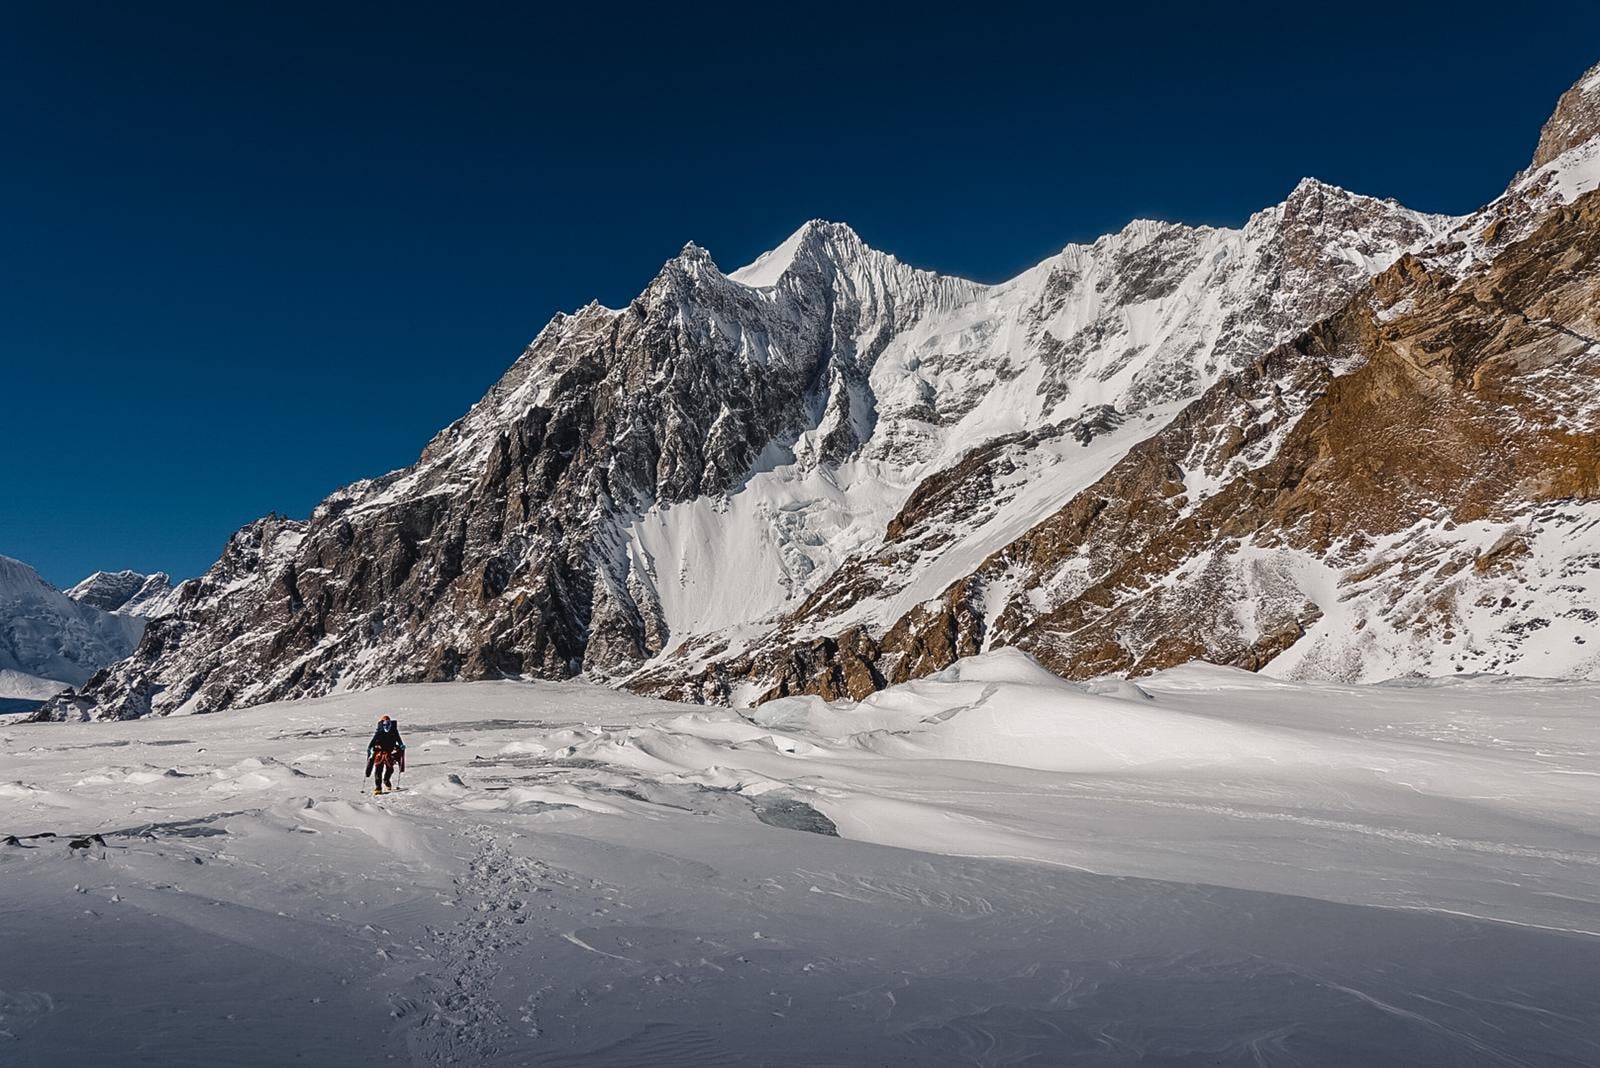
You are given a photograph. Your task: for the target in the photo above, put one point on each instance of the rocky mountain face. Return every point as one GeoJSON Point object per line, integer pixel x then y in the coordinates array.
{"type": "Point", "coordinates": [1345, 440]}
{"type": "Point", "coordinates": [1575, 122]}
{"type": "Point", "coordinates": [126, 592]}
{"type": "Point", "coordinates": [49, 641]}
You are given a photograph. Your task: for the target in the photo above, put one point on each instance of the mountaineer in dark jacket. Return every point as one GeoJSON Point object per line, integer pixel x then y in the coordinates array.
{"type": "Point", "coordinates": [385, 753]}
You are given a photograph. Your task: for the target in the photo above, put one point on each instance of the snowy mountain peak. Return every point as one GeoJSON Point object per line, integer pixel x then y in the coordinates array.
{"type": "Point", "coordinates": [125, 592]}
{"type": "Point", "coordinates": [1309, 187]}
{"type": "Point", "coordinates": [817, 240]}
{"type": "Point", "coordinates": [1308, 184]}
{"type": "Point", "coordinates": [835, 239]}
{"type": "Point", "coordinates": [1313, 194]}
{"type": "Point", "coordinates": [693, 253]}
{"type": "Point", "coordinates": [1312, 197]}
{"type": "Point", "coordinates": [45, 635]}
{"type": "Point", "coordinates": [17, 578]}
{"type": "Point", "coordinates": [771, 265]}
{"type": "Point", "coordinates": [692, 262]}
{"type": "Point", "coordinates": [107, 590]}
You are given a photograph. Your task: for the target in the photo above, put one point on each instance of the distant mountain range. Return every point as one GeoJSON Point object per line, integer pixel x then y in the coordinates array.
{"type": "Point", "coordinates": [126, 592]}
{"type": "Point", "coordinates": [51, 640]}
{"type": "Point", "coordinates": [1347, 440]}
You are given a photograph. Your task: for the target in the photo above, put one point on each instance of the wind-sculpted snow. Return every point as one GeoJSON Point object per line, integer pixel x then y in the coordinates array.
{"type": "Point", "coordinates": [1204, 866]}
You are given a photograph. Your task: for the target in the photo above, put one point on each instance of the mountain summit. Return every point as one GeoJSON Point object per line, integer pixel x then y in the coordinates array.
{"type": "Point", "coordinates": [1344, 440]}
{"type": "Point", "coordinates": [126, 592]}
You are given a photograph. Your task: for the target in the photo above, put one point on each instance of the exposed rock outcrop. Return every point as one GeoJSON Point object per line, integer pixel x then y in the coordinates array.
{"type": "Point", "coordinates": [1575, 122]}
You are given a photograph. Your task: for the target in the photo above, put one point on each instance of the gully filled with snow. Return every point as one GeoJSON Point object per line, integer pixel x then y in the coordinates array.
{"type": "Point", "coordinates": [1001, 867]}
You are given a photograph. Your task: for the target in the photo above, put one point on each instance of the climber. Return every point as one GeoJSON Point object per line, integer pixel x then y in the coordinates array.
{"type": "Point", "coordinates": [386, 753]}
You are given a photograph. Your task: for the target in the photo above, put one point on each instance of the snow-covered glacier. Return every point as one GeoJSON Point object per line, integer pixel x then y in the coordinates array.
{"type": "Point", "coordinates": [987, 866]}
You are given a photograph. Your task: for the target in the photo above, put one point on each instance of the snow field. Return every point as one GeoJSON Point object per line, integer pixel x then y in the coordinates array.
{"type": "Point", "coordinates": [1203, 867]}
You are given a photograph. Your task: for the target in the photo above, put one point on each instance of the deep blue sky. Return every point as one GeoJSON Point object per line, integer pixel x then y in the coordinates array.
{"type": "Point", "coordinates": [251, 252]}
